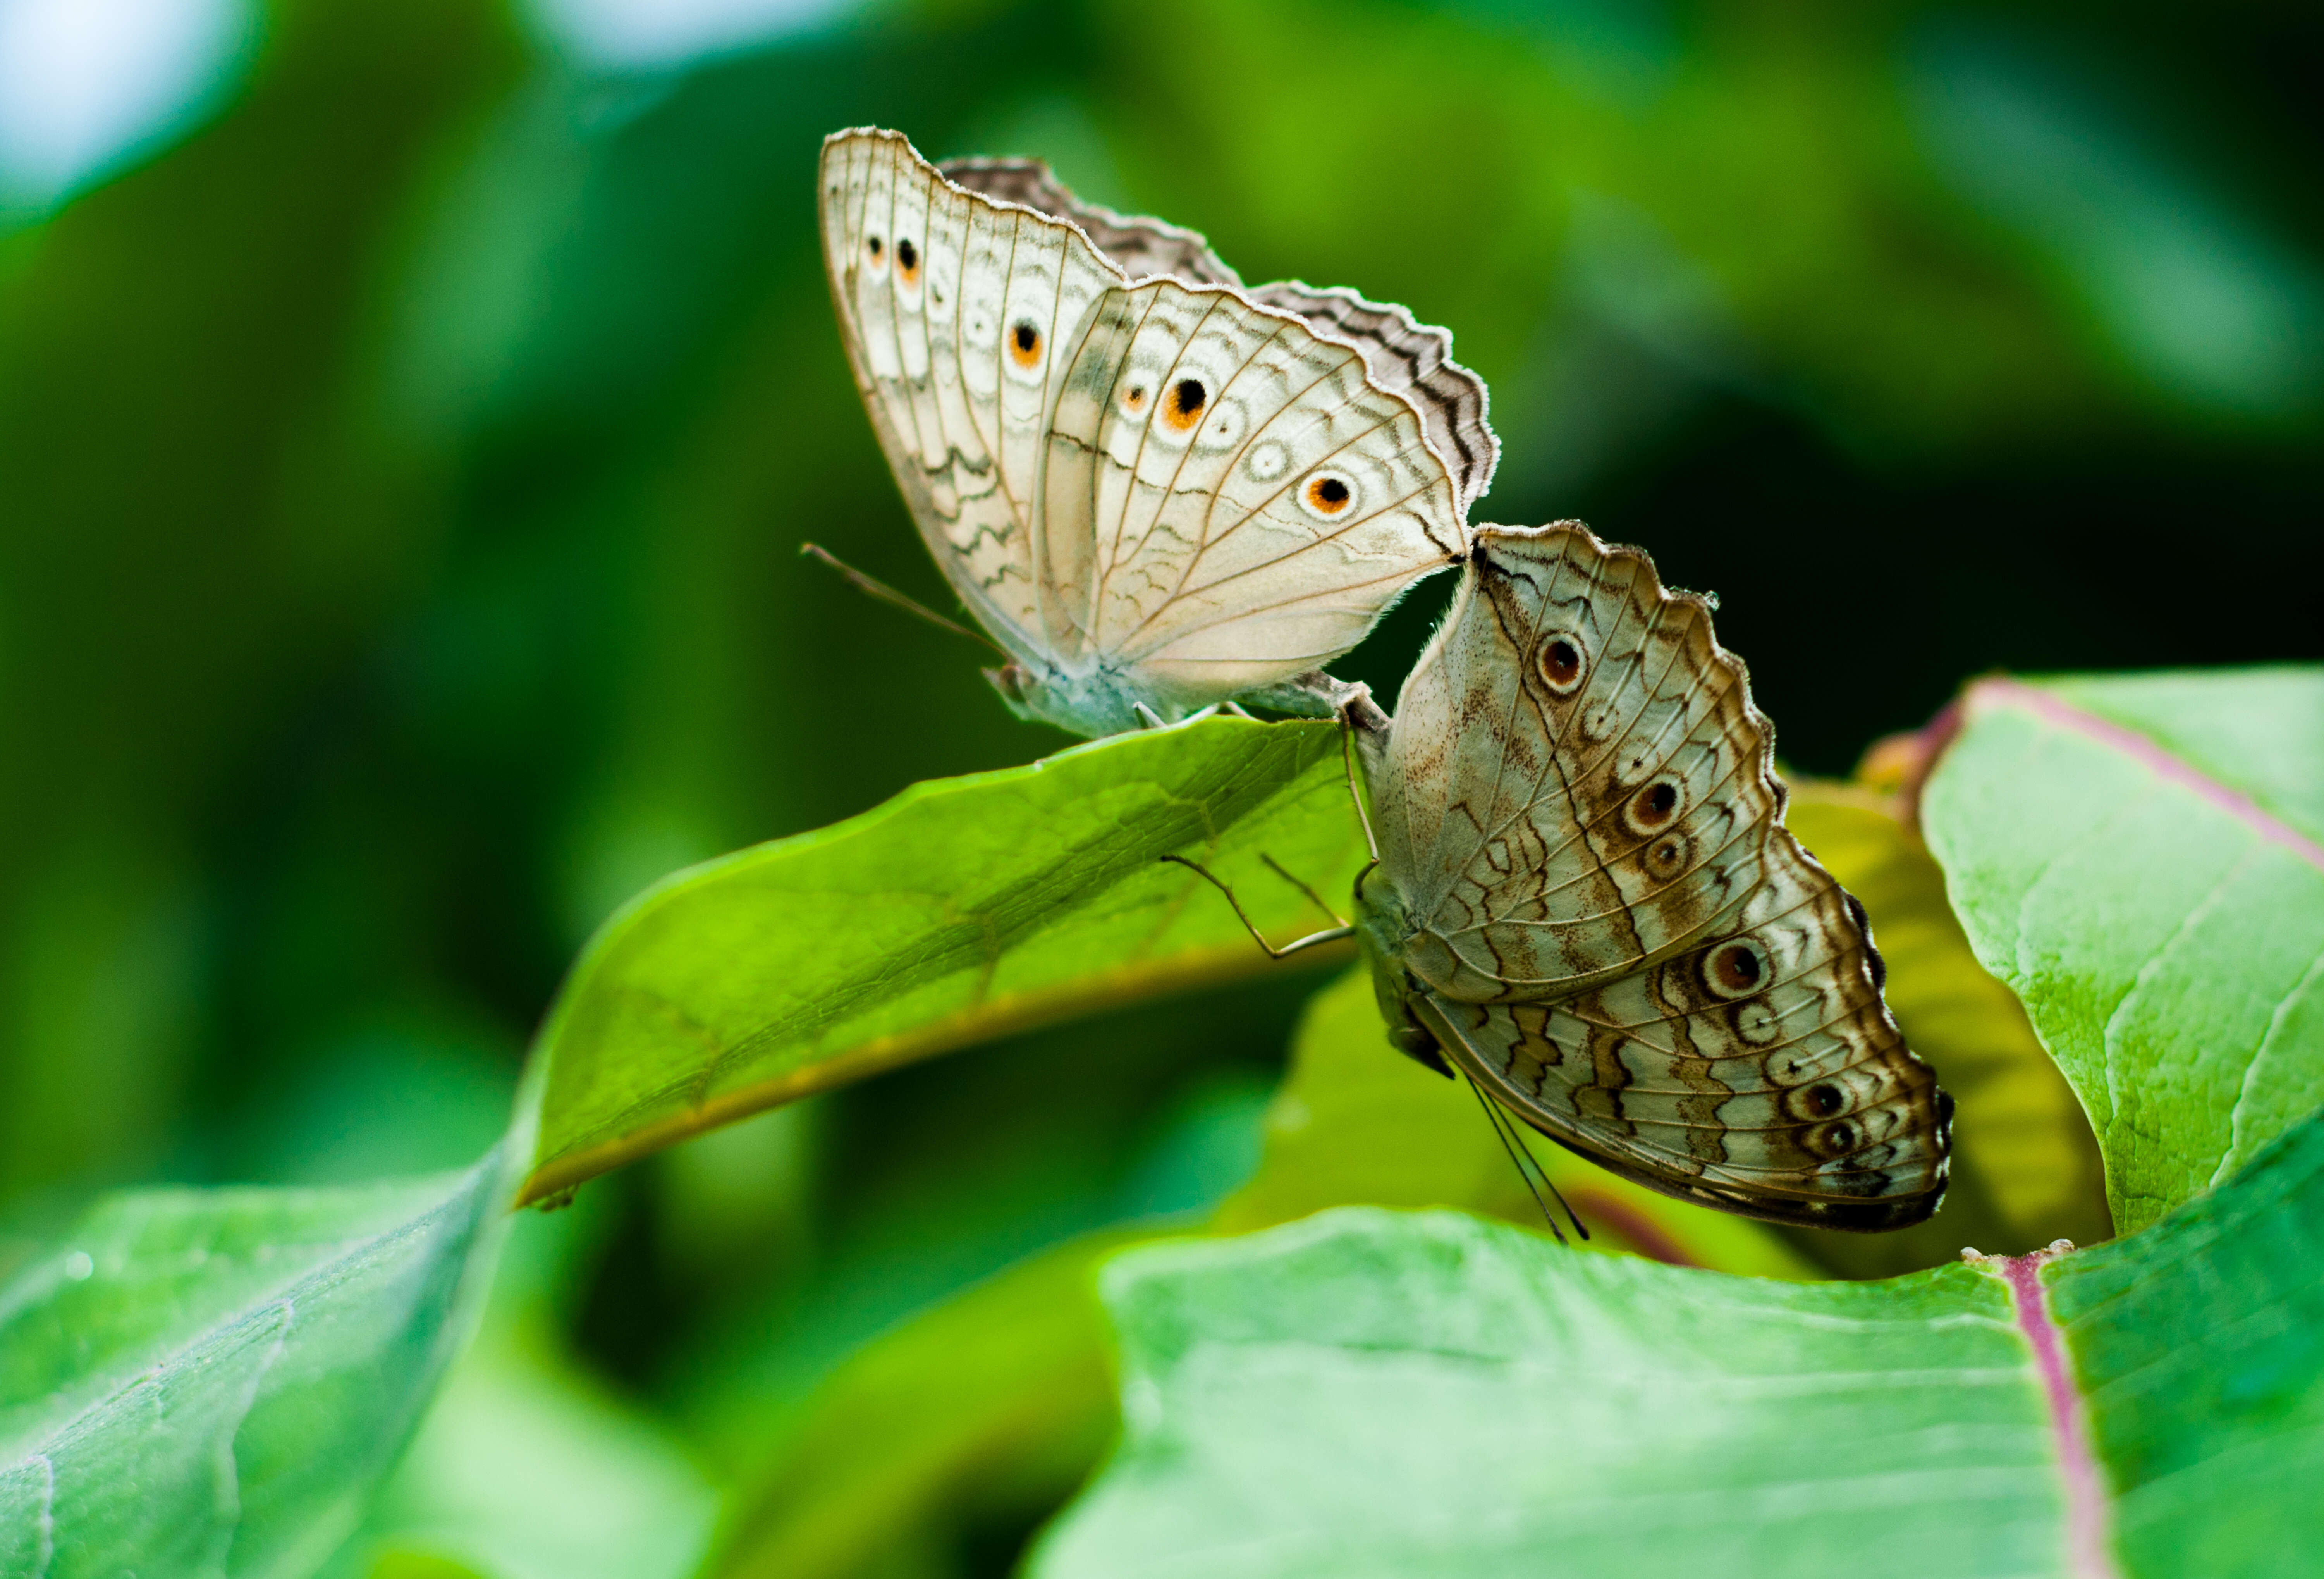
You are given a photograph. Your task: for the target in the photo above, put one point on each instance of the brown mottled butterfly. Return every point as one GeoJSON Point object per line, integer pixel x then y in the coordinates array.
{"type": "Point", "coordinates": [1584, 899]}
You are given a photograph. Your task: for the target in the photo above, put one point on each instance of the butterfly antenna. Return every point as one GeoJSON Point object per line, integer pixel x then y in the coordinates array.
{"type": "Point", "coordinates": [1502, 1136]}
{"type": "Point", "coordinates": [1313, 897]}
{"type": "Point", "coordinates": [885, 593]}
{"type": "Point", "coordinates": [1310, 941]}
{"type": "Point", "coordinates": [1520, 1155]}
{"type": "Point", "coordinates": [1525, 1144]}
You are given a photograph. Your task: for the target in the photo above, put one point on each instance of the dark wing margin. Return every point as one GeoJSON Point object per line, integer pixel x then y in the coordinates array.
{"type": "Point", "coordinates": [1141, 248]}
{"type": "Point", "coordinates": [1410, 358]}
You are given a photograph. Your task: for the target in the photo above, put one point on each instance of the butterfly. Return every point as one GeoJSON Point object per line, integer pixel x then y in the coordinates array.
{"type": "Point", "coordinates": [1586, 900]}
{"type": "Point", "coordinates": [1159, 491]}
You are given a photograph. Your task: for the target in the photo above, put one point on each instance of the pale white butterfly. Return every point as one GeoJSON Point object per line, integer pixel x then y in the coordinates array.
{"type": "Point", "coordinates": [1157, 491]}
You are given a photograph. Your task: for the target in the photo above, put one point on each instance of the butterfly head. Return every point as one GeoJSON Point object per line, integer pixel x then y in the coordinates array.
{"type": "Point", "coordinates": [1383, 926]}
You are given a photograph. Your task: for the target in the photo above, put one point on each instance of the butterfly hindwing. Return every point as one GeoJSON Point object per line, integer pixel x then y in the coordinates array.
{"type": "Point", "coordinates": [1607, 924]}
{"type": "Point", "coordinates": [1259, 499]}
{"type": "Point", "coordinates": [1410, 359]}
{"type": "Point", "coordinates": [1594, 817]}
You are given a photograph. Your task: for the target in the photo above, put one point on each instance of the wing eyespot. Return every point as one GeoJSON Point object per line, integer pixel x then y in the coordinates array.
{"type": "Point", "coordinates": [1737, 968]}
{"type": "Point", "coordinates": [1836, 1138]}
{"type": "Point", "coordinates": [1824, 1099]}
{"type": "Point", "coordinates": [1327, 495]}
{"type": "Point", "coordinates": [1756, 1024]}
{"type": "Point", "coordinates": [1561, 661]}
{"type": "Point", "coordinates": [1267, 461]}
{"type": "Point", "coordinates": [1182, 405]}
{"type": "Point", "coordinates": [908, 262]}
{"type": "Point", "coordinates": [1025, 344]}
{"type": "Point", "coordinates": [1665, 858]}
{"type": "Point", "coordinates": [1654, 807]}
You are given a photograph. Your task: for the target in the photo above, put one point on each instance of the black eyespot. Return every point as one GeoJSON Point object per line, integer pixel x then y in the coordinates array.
{"type": "Point", "coordinates": [1025, 342]}
{"type": "Point", "coordinates": [1326, 495]}
{"type": "Point", "coordinates": [1826, 1100]}
{"type": "Point", "coordinates": [1652, 806]}
{"type": "Point", "coordinates": [1182, 407]}
{"type": "Point", "coordinates": [1841, 1137]}
{"type": "Point", "coordinates": [872, 245]}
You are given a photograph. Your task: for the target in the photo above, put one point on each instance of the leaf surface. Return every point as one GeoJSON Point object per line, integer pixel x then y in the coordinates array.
{"type": "Point", "coordinates": [2134, 857]}
{"type": "Point", "coordinates": [961, 910]}
{"type": "Point", "coordinates": [527, 1466]}
{"type": "Point", "coordinates": [213, 1381]}
{"type": "Point", "coordinates": [1369, 1393]}
{"type": "Point", "coordinates": [1007, 1385]}
{"type": "Point", "coordinates": [896, 1440]}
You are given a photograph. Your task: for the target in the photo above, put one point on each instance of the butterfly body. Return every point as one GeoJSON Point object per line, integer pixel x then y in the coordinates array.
{"type": "Point", "coordinates": [1586, 901]}
{"type": "Point", "coordinates": [1156, 490]}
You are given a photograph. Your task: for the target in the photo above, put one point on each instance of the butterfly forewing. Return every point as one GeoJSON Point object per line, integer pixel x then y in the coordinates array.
{"type": "Point", "coordinates": [1145, 483]}
{"type": "Point", "coordinates": [1606, 922]}
{"type": "Point", "coordinates": [941, 427]}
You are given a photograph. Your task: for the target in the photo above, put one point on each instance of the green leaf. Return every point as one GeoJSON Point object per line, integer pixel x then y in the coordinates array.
{"type": "Point", "coordinates": [213, 1381]}
{"type": "Point", "coordinates": [960, 911]}
{"type": "Point", "coordinates": [1373, 1393]}
{"type": "Point", "coordinates": [2137, 858]}
{"type": "Point", "coordinates": [525, 1468]}
{"type": "Point", "coordinates": [1005, 1390]}
{"type": "Point", "coordinates": [993, 1403]}
{"type": "Point", "coordinates": [883, 1458]}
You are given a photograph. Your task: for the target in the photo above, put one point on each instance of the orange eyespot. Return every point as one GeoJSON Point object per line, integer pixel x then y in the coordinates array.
{"type": "Point", "coordinates": [1025, 344]}
{"type": "Point", "coordinates": [908, 262]}
{"type": "Point", "coordinates": [1182, 407]}
{"type": "Point", "coordinates": [1328, 495]}
{"type": "Point", "coordinates": [872, 245]}
{"type": "Point", "coordinates": [1133, 399]}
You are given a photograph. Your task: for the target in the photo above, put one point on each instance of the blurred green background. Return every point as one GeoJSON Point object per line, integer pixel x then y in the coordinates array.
{"type": "Point", "coordinates": [409, 412]}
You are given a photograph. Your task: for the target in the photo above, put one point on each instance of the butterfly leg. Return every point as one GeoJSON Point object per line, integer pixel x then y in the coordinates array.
{"type": "Point", "coordinates": [1311, 940]}
{"type": "Point", "coordinates": [1313, 897]}
{"type": "Point", "coordinates": [1148, 717]}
